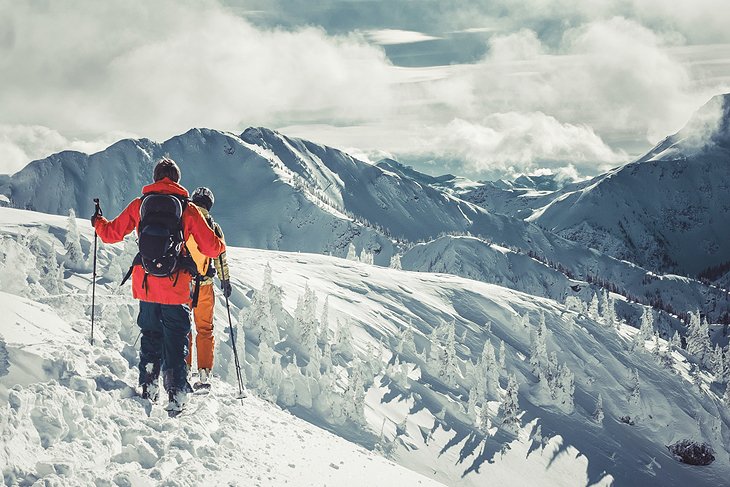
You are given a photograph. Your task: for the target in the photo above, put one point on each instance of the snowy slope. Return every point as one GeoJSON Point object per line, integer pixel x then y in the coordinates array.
{"type": "Point", "coordinates": [83, 422]}
{"type": "Point", "coordinates": [670, 210]}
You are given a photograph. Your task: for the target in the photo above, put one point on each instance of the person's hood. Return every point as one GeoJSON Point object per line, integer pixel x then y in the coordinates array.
{"type": "Point", "coordinates": [166, 186]}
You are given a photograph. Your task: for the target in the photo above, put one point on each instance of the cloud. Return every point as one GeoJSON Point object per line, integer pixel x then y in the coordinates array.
{"type": "Point", "coordinates": [160, 68]}
{"type": "Point", "coordinates": [509, 143]}
{"type": "Point", "coordinates": [387, 37]}
{"type": "Point", "coordinates": [20, 144]}
{"type": "Point", "coordinates": [88, 69]}
{"type": "Point", "coordinates": [615, 75]}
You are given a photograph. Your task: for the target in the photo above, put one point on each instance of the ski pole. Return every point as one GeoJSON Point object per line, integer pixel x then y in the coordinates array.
{"type": "Point", "coordinates": [233, 342]}
{"type": "Point", "coordinates": [97, 212]}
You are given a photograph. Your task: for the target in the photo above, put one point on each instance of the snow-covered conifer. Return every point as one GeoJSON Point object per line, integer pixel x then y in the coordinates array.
{"type": "Point", "coordinates": [502, 356]}
{"type": "Point", "coordinates": [646, 329]}
{"type": "Point", "coordinates": [366, 257]}
{"type": "Point", "coordinates": [448, 367]}
{"type": "Point", "coordinates": [698, 338]}
{"type": "Point", "coordinates": [488, 371]}
{"type": "Point", "coordinates": [593, 308]}
{"type": "Point", "coordinates": [525, 319]}
{"type": "Point", "coordinates": [262, 315]}
{"type": "Point", "coordinates": [74, 255]}
{"type": "Point", "coordinates": [306, 320]}
{"type": "Point", "coordinates": [471, 405]}
{"type": "Point", "coordinates": [510, 406]}
{"type": "Point", "coordinates": [634, 399]}
{"type": "Point", "coordinates": [565, 388]}
{"type": "Point", "coordinates": [351, 252]}
{"type": "Point", "coordinates": [313, 366]}
{"type": "Point", "coordinates": [324, 327]}
{"type": "Point", "coordinates": [726, 396]}
{"type": "Point", "coordinates": [609, 310]}
{"type": "Point", "coordinates": [719, 364]}
{"type": "Point", "coordinates": [344, 345]}
{"type": "Point", "coordinates": [395, 262]}
{"type": "Point", "coordinates": [406, 343]}
{"type": "Point", "coordinates": [484, 421]}
{"type": "Point", "coordinates": [598, 413]}
{"type": "Point", "coordinates": [538, 349]}
{"type": "Point", "coordinates": [355, 394]}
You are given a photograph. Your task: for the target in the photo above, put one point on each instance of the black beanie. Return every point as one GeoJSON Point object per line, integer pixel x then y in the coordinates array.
{"type": "Point", "coordinates": [167, 168]}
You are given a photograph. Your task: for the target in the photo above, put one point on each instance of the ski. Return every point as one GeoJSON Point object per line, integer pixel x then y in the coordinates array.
{"type": "Point", "coordinates": [201, 388]}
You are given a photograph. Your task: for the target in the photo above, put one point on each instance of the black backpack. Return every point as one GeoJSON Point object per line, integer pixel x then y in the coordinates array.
{"type": "Point", "coordinates": [161, 234]}
{"type": "Point", "coordinates": [161, 240]}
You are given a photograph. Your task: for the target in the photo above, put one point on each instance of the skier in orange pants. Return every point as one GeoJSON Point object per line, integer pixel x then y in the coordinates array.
{"type": "Point", "coordinates": [203, 312]}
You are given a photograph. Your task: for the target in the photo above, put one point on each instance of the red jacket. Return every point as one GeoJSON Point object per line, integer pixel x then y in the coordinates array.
{"type": "Point", "coordinates": [164, 290]}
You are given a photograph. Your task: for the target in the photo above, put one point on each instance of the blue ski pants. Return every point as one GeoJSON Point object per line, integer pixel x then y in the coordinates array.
{"type": "Point", "coordinates": [164, 344]}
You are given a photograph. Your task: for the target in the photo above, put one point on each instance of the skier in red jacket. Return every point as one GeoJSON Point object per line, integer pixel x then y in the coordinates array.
{"type": "Point", "coordinates": [164, 307]}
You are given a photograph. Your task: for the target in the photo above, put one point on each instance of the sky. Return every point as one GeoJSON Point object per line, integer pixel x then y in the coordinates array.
{"type": "Point", "coordinates": [482, 89]}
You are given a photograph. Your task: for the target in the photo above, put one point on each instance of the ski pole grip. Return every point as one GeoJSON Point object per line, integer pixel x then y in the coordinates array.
{"type": "Point", "coordinates": [97, 209]}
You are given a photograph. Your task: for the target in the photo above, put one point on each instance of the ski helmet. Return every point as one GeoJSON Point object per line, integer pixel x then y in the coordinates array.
{"type": "Point", "coordinates": [203, 196]}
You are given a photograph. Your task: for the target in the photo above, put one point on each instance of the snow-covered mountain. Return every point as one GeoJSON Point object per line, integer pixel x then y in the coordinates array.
{"type": "Point", "coordinates": [422, 368]}
{"type": "Point", "coordinates": [277, 192]}
{"type": "Point", "coordinates": [668, 211]}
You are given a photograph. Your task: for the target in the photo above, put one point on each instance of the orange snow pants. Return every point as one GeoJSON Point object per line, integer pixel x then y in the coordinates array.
{"type": "Point", "coordinates": [203, 315]}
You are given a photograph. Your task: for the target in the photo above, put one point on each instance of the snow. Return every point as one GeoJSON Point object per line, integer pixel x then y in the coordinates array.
{"type": "Point", "coordinates": [75, 418]}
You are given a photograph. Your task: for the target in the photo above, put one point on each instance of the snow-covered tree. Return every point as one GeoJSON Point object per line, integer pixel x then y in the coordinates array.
{"type": "Point", "coordinates": [488, 370]}
{"type": "Point", "coordinates": [502, 356]}
{"type": "Point", "coordinates": [351, 252]}
{"type": "Point", "coordinates": [525, 320]}
{"type": "Point", "coordinates": [608, 310]}
{"type": "Point", "coordinates": [355, 394]}
{"type": "Point", "coordinates": [324, 326]}
{"type": "Point", "coordinates": [646, 328]}
{"type": "Point", "coordinates": [538, 349]}
{"type": "Point", "coordinates": [471, 405]}
{"type": "Point", "coordinates": [306, 320]}
{"type": "Point", "coordinates": [726, 396]}
{"type": "Point", "coordinates": [395, 262]}
{"type": "Point", "coordinates": [510, 406]}
{"type": "Point", "coordinates": [698, 338]}
{"type": "Point", "coordinates": [719, 364]}
{"type": "Point", "coordinates": [564, 388]}
{"type": "Point", "coordinates": [344, 344]}
{"type": "Point", "coordinates": [263, 315]}
{"type": "Point", "coordinates": [51, 276]}
{"type": "Point", "coordinates": [593, 312]}
{"type": "Point", "coordinates": [598, 413]}
{"type": "Point", "coordinates": [448, 367]}
{"type": "Point", "coordinates": [406, 343]}
{"type": "Point", "coordinates": [313, 366]}
{"type": "Point", "coordinates": [366, 257]}
{"type": "Point", "coordinates": [634, 399]}
{"type": "Point", "coordinates": [74, 255]}
{"type": "Point", "coordinates": [484, 421]}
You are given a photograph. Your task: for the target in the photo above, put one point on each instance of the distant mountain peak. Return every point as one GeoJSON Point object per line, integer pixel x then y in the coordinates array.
{"type": "Point", "coordinates": [708, 127]}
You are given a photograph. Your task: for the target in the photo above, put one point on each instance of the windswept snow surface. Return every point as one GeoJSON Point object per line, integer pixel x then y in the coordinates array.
{"type": "Point", "coordinates": [76, 418]}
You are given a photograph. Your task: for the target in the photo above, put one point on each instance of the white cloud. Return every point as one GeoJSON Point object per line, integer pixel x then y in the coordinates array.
{"type": "Point", "coordinates": [160, 68]}
{"type": "Point", "coordinates": [388, 37]}
{"type": "Point", "coordinates": [89, 69]}
{"type": "Point", "coordinates": [615, 75]}
{"type": "Point", "coordinates": [519, 143]}
{"type": "Point", "coordinates": [20, 144]}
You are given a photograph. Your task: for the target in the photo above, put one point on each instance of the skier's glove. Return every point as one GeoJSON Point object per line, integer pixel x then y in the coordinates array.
{"type": "Point", "coordinates": [210, 272]}
{"type": "Point", "coordinates": [93, 219]}
{"type": "Point", "coordinates": [226, 287]}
